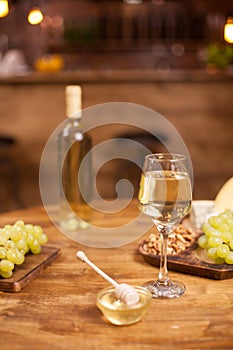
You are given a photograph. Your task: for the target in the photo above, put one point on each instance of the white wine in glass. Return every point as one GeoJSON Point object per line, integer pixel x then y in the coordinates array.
{"type": "Point", "coordinates": [165, 194]}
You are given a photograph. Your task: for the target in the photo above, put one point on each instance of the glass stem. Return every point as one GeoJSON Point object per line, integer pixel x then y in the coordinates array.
{"type": "Point", "coordinates": [163, 272]}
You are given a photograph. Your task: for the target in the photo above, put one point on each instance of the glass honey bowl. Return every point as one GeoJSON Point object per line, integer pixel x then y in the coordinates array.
{"type": "Point", "coordinates": [118, 312]}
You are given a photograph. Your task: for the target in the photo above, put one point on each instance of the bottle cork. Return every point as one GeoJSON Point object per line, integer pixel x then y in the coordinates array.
{"type": "Point", "coordinates": [73, 95]}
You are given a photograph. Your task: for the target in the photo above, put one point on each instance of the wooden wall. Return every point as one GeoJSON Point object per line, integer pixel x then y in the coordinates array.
{"type": "Point", "coordinates": [200, 111]}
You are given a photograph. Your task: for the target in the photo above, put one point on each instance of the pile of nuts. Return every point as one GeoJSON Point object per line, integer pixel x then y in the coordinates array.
{"type": "Point", "coordinates": [180, 239]}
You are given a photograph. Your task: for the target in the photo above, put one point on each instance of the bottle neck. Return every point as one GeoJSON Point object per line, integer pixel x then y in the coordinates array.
{"type": "Point", "coordinates": [75, 117]}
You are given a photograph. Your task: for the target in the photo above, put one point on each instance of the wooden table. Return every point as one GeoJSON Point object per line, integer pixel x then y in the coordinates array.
{"type": "Point", "coordinates": [57, 310]}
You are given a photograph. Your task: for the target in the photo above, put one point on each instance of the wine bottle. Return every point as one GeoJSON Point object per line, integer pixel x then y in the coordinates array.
{"type": "Point", "coordinates": [74, 177]}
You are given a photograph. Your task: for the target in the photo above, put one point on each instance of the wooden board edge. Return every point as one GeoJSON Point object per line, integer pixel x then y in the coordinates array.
{"type": "Point", "coordinates": [23, 281]}
{"type": "Point", "coordinates": [196, 267]}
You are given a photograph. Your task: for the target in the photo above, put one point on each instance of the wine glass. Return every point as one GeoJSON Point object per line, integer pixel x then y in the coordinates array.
{"type": "Point", "coordinates": [165, 194]}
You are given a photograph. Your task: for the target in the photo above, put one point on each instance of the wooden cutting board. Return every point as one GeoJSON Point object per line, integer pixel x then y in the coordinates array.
{"type": "Point", "coordinates": [30, 269]}
{"type": "Point", "coordinates": [191, 261]}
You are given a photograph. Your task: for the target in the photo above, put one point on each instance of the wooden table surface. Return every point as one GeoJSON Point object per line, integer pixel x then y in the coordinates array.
{"type": "Point", "coordinates": [57, 310]}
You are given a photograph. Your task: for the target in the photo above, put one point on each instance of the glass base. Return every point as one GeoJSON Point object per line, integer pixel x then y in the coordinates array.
{"type": "Point", "coordinates": [172, 289]}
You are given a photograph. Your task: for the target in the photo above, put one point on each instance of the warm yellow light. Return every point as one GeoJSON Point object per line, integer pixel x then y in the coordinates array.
{"type": "Point", "coordinates": [228, 30]}
{"type": "Point", "coordinates": [4, 8]}
{"type": "Point", "coordinates": [35, 16]}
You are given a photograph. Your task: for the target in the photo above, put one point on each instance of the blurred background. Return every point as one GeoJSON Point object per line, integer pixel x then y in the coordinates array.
{"type": "Point", "coordinates": [174, 56]}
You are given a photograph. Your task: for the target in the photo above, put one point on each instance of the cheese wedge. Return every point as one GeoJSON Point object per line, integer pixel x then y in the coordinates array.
{"type": "Point", "coordinates": [224, 198]}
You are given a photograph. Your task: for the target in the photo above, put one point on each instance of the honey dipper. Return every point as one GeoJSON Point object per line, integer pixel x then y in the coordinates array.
{"type": "Point", "coordinates": [124, 291]}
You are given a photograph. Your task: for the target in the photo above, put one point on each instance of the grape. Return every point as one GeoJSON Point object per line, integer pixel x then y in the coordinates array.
{"type": "Point", "coordinates": [215, 221]}
{"type": "Point", "coordinates": [6, 233]}
{"type": "Point", "coordinates": [29, 238]}
{"type": "Point", "coordinates": [226, 214]}
{"type": "Point", "coordinates": [207, 229]}
{"type": "Point", "coordinates": [4, 236]}
{"type": "Point", "coordinates": [224, 227]}
{"type": "Point", "coordinates": [222, 250]}
{"type": "Point", "coordinates": [22, 245]}
{"type": "Point", "coordinates": [37, 231]}
{"type": "Point", "coordinates": [16, 235]}
{"type": "Point", "coordinates": [16, 241]}
{"type": "Point", "coordinates": [212, 253]}
{"type": "Point", "coordinates": [203, 241]}
{"type": "Point", "coordinates": [6, 274]}
{"type": "Point", "coordinates": [19, 223]}
{"type": "Point", "coordinates": [214, 241]}
{"type": "Point", "coordinates": [218, 237]}
{"type": "Point", "coordinates": [210, 231]}
{"type": "Point", "coordinates": [12, 255]}
{"type": "Point", "coordinates": [3, 239]}
{"type": "Point", "coordinates": [217, 234]}
{"type": "Point", "coordinates": [2, 252]}
{"type": "Point", "coordinates": [34, 244]}
{"type": "Point", "coordinates": [226, 236]}
{"type": "Point", "coordinates": [6, 265]}
{"type": "Point", "coordinates": [231, 244]}
{"type": "Point", "coordinates": [9, 244]}
{"type": "Point", "coordinates": [229, 258]}
{"type": "Point", "coordinates": [20, 258]}
{"type": "Point", "coordinates": [36, 250]}
{"type": "Point", "coordinates": [29, 228]}
{"type": "Point", "coordinates": [43, 239]}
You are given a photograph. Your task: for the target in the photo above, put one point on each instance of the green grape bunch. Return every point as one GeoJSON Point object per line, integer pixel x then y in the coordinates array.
{"type": "Point", "coordinates": [217, 239]}
{"type": "Point", "coordinates": [15, 242]}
